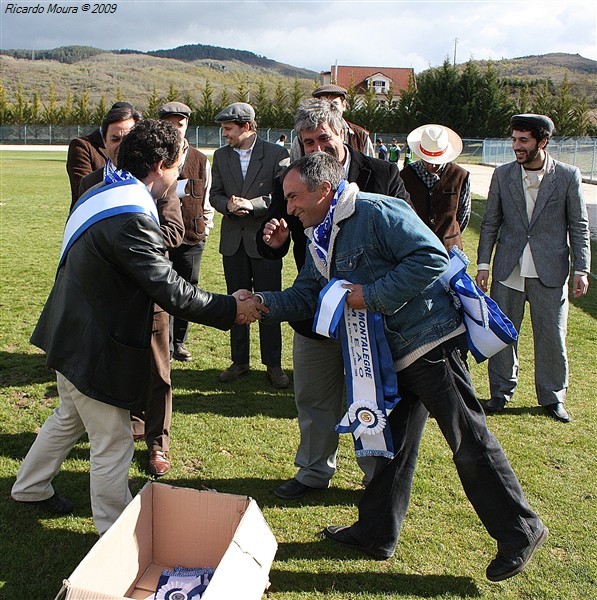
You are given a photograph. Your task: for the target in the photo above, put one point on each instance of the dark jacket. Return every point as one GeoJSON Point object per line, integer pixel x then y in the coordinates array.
{"type": "Point", "coordinates": [169, 210]}
{"type": "Point", "coordinates": [85, 155]}
{"type": "Point", "coordinates": [267, 161]}
{"type": "Point", "coordinates": [192, 203]}
{"type": "Point", "coordinates": [96, 324]}
{"type": "Point", "coordinates": [370, 174]}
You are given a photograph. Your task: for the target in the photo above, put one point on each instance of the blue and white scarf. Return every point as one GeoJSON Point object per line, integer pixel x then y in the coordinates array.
{"type": "Point", "coordinates": [122, 194]}
{"type": "Point", "coordinates": [182, 584]}
{"type": "Point", "coordinates": [488, 329]}
{"type": "Point", "coordinates": [322, 233]}
{"type": "Point", "coordinates": [371, 384]}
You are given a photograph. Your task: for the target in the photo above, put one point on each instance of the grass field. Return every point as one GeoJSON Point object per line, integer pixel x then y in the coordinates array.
{"type": "Point", "coordinates": [240, 438]}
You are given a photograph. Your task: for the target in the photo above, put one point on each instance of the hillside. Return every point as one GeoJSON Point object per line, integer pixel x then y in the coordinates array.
{"type": "Point", "coordinates": [534, 70]}
{"type": "Point", "coordinates": [134, 75]}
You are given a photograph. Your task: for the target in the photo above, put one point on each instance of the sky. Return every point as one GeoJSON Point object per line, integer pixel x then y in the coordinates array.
{"type": "Point", "coordinates": [316, 35]}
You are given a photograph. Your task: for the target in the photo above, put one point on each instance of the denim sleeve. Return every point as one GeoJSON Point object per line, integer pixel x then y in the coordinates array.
{"type": "Point", "coordinates": [416, 256]}
{"type": "Point", "coordinates": [298, 302]}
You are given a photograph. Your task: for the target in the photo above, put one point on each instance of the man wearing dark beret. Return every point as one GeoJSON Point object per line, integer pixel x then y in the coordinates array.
{"type": "Point", "coordinates": [536, 207]}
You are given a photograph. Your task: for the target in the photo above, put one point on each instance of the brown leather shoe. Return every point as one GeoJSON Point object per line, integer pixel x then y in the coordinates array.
{"type": "Point", "coordinates": [277, 377]}
{"type": "Point", "coordinates": [159, 463]}
{"type": "Point", "coordinates": [233, 372]}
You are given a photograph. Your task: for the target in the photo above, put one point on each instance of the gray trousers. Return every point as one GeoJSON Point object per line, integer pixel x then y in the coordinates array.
{"type": "Point", "coordinates": [549, 322]}
{"type": "Point", "coordinates": [111, 452]}
{"type": "Point", "coordinates": [319, 396]}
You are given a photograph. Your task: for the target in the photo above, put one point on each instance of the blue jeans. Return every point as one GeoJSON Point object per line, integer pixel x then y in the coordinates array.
{"type": "Point", "coordinates": [439, 384]}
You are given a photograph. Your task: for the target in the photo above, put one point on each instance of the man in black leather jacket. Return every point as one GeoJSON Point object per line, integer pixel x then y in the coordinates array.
{"type": "Point", "coordinates": [96, 325]}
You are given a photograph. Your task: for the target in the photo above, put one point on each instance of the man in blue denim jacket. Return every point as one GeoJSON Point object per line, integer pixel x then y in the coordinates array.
{"type": "Point", "coordinates": [394, 263]}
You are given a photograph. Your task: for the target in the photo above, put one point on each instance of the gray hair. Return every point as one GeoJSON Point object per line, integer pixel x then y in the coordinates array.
{"type": "Point", "coordinates": [315, 168]}
{"type": "Point", "coordinates": [311, 113]}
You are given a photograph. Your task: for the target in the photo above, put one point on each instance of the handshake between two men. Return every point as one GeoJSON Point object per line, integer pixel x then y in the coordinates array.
{"type": "Point", "coordinates": [248, 307]}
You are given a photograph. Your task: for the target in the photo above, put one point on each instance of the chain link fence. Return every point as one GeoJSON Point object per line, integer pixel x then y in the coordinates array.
{"type": "Point", "coordinates": [200, 137]}
{"type": "Point", "coordinates": [581, 152]}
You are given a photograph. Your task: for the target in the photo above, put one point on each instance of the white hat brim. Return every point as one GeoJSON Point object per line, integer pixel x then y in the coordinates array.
{"type": "Point", "coordinates": [452, 152]}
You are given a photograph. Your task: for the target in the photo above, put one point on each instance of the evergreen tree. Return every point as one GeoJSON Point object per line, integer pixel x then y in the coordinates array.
{"type": "Point", "coordinates": [51, 111]}
{"type": "Point", "coordinates": [543, 103]}
{"type": "Point", "coordinates": [224, 100]}
{"type": "Point", "coordinates": [67, 112]}
{"type": "Point", "coordinates": [406, 111]}
{"type": "Point", "coordinates": [523, 102]}
{"type": "Point", "coordinates": [84, 113]}
{"type": "Point", "coordinates": [369, 114]}
{"type": "Point", "coordinates": [20, 106]}
{"type": "Point", "coordinates": [438, 99]}
{"type": "Point", "coordinates": [4, 107]}
{"type": "Point", "coordinates": [567, 113]}
{"type": "Point", "coordinates": [295, 97]}
{"type": "Point", "coordinates": [100, 112]}
{"type": "Point", "coordinates": [206, 111]}
{"type": "Point", "coordinates": [35, 110]}
{"type": "Point", "coordinates": [263, 106]}
{"type": "Point", "coordinates": [190, 102]}
{"type": "Point", "coordinates": [280, 113]}
{"type": "Point", "coordinates": [173, 94]}
{"type": "Point", "coordinates": [153, 103]}
{"type": "Point", "coordinates": [352, 102]}
{"type": "Point", "coordinates": [242, 93]}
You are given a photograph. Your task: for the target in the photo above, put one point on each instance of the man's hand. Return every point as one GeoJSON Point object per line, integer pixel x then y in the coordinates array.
{"type": "Point", "coordinates": [482, 279]}
{"type": "Point", "coordinates": [248, 307]}
{"type": "Point", "coordinates": [354, 298]}
{"type": "Point", "coordinates": [238, 206]}
{"type": "Point", "coordinates": [275, 233]}
{"type": "Point", "coordinates": [580, 285]}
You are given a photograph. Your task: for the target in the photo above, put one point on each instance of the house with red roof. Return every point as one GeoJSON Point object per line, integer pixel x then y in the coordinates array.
{"type": "Point", "coordinates": [363, 78]}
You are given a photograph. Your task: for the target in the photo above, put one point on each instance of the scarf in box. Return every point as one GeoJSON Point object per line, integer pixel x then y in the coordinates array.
{"type": "Point", "coordinates": [488, 329]}
{"type": "Point", "coordinates": [182, 584]}
{"type": "Point", "coordinates": [371, 385]}
{"type": "Point", "coordinates": [122, 194]}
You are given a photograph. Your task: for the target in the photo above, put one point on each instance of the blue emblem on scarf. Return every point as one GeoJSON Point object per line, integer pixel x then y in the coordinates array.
{"type": "Point", "coordinates": [322, 233]}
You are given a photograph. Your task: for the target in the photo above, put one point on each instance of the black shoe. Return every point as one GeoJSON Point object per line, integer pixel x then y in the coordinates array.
{"type": "Point", "coordinates": [181, 353]}
{"type": "Point", "coordinates": [558, 412]}
{"type": "Point", "coordinates": [293, 489]}
{"type": "Point", "coordinates": [277, 377]}
{"type": "Point", "coordinates": [504, 566]}
{"type": "Point", "coordinates": [341, 534]}
{"type": "Point", "coordinates": [495, 405]}
{"type": "Point", "coordinates": [56, 504]}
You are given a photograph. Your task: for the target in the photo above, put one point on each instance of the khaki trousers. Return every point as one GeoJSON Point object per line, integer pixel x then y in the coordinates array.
{"type": "Point", "coordinates": [111, 443]}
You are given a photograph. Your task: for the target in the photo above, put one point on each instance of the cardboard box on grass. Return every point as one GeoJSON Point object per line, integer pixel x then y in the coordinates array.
{"type": "Point", "coordinates": [166, 526]}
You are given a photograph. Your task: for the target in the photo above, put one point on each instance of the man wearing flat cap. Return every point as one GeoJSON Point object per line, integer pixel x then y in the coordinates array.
{"type": "Point", "coordinates": [353, 135]}
{"type": "Point", "coordinates": [242, 184]}
{"type": "Point", "coordinates": [439, 189]}
{"type": "Point", "coordinates": [535, 217]}
{"type": "Point", "coordinates": [192, 189]}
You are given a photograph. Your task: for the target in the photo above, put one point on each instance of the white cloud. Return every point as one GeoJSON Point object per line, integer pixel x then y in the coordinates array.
{"type": "Point", "coordinates": [316, 34]}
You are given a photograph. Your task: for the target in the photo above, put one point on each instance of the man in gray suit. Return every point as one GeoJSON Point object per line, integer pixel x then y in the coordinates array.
{"type": "Point", "coordinates": [536, 206]}
{"type": "Point", "coordinates": [243, 176]}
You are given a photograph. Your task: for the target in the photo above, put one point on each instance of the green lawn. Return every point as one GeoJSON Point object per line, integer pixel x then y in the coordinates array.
{"type": "Point", "coordinates": [240, 438]}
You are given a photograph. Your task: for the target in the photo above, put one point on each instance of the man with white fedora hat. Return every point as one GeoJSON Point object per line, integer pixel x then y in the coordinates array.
{"type": "Point", "coordinates": [439, 189]}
